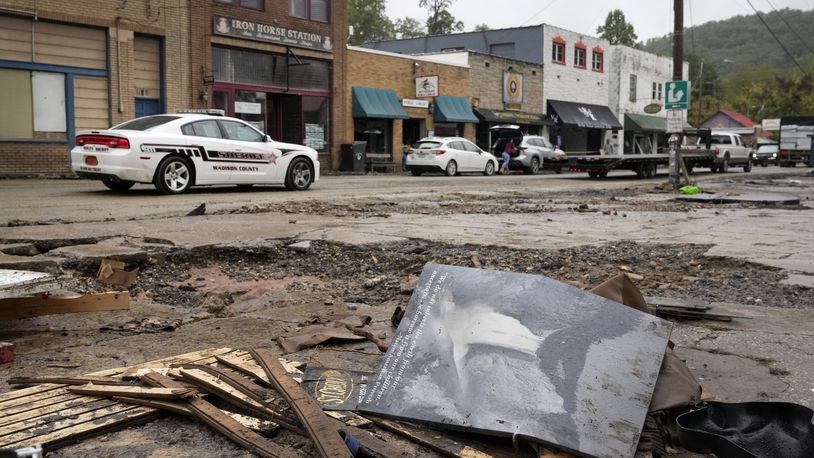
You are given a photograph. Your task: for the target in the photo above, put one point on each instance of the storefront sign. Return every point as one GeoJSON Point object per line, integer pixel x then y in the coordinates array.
{"type": "Point", "coordinates": [512, 89]}
{"type": "Point", "coordinates": [250, 30]}
{"type": "Point", "coordinates": [675, 121]}
{"type": "Point", "coordinates": [413, 103]}
{"type": "Point", "coordinates": [652, 108]}
{"type": "Point", "coordinates": [771, 124]}
{"type": "Point", "coordinates": [248, 107]}
{"type": "Point", "coordinates": [426, 86]}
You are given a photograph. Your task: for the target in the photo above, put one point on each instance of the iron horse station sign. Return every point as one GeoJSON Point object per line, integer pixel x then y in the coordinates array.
{"type": "Point", "coordinates": [268, 33]}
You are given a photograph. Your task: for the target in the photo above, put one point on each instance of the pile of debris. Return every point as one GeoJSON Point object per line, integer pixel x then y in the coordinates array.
{"type": "Point", "coordinates": [483, 363]}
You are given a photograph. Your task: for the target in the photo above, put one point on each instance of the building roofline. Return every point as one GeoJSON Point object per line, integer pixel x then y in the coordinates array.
{"type": "Point", "coordinates": [481, 53]}
{"type": "Point", "coordinates": [405, 56]}
{"type": "Point", "coordinates": [473, 32]}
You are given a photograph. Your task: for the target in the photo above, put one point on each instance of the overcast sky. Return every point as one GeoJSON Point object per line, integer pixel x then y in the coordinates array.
{"type": "Point", "coordinates": [650, 18]}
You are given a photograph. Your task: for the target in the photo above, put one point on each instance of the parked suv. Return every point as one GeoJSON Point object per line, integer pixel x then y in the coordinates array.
{"type": "Point", "coordinates": [534, 152]}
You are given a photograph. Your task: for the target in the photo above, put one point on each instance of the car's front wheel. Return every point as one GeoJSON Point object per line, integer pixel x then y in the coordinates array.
{"type": "Point", "coordinates": [300, 175]}
{"type": "Point", "coordinates": [118, 185]}
{"type": "Point", "coordinates": [174, 175]}
{"type": "Point", "coordinates": [748, 166]}
{"type": "Point", "coordinates": [490, 169]}
{"type": "Point", "coordinates": [452, 168]}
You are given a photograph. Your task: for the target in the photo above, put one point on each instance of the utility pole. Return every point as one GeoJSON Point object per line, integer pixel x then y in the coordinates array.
{"type": "Point", "coordinates": [676, 161]}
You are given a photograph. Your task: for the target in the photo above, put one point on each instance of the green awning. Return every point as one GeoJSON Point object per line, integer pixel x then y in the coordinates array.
{"type": "Point", "coordinates": [645, 123]}
{"type": "Point", "coordinates": [377, 103]}
{"type": "Point", "coordinates": [450, 108]}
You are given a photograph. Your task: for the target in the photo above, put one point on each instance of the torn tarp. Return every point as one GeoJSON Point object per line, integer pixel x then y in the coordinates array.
{"type": "Point", "coordinates": [513, 354]}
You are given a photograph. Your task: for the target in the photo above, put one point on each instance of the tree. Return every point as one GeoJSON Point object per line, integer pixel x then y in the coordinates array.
{"type": "Point", "coordinates": [369, 21]}
{"type": "Point", "coordinates": [441, 21]}
{"type": "Point", "coordinates": [481, 28]}
{"type": "Point", "coordinates": [617, 30]}
{"type": "Point", "coordinates": [409, 28]}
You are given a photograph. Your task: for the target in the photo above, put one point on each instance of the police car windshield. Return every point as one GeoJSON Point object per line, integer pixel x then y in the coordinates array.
{"type": "Point", "coordinates": [145, 123]}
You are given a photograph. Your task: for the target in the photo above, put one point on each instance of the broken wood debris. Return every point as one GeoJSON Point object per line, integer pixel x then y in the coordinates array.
{"type": "Point", "coordinates": [325, 435]}
{"type": "Point", "coordinates": [26, 307]}
{"type": "Point", "coordinates": [18, 283]}
{"type": "Point", "coordinates": [690, 308]}
{"type": "Point", "coordinates": [225, 424]}
{"type": "Point", "coordinates": [66, 380]}
{"type": "Point", "coordinates": [137, 391]}
{"type": "Point", "coordinates": [114, 273]}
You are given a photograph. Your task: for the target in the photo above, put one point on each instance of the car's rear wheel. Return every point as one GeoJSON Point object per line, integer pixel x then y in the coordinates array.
{"type": "Point", "coordinates": [724, 167]}
{"type": "Point", "coordinates": [490, 169]}
{"type": "Point", "coordinates": [452, 168]}
{"type": "Point", "coordinates": [650, 170]}
{"type": "Point", "coordinates": [748, 166]}
{"type": "Point", "coordinates": [300, 175]}
{"type": "Point", "coordinates": [174, 175]}
{"type": "Point", "coordinates": [534, 167]}
{"type": "Point", "coordinates": [118, 185]}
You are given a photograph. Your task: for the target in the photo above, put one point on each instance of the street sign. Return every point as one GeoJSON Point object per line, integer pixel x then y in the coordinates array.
{"type": "Point", "coordinates": [771, 124]}
{"type": "Point", "coordinates": [675, 121]}
{"type": "Point", "coordinates": [677, 95]}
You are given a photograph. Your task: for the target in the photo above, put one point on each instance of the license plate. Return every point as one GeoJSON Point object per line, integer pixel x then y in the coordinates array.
{"type": "Point", "coordinates": [91, 160]}
{"type": "Point", "coordinates": [95, 148]}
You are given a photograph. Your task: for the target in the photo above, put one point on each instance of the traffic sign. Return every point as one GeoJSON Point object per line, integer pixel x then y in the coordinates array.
{"type": "Point", "coordinates": [677, 95]}
{"type": "Point", "coordinates": [675, 121]}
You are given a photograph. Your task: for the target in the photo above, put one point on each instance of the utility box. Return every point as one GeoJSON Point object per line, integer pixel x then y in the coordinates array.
{"type": "Point", "coordinates": [353, 157]}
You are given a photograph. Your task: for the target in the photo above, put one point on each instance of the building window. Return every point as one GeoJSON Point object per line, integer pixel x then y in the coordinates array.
{"type": "Point", "coordinates": [39, 101]}
{"type": "Point", "coordinates": [376, 132]}
{"type": "Point", "coordinates": [632, 95]}
{"type": "Point", "coordinates": [314, 10]}
{"type": "Point", "coordinates": [315, 114]}
{"type": "Point", "coordinates": [597, 63]}
{"type": "Point", "coordinates": [253, 4]}
{"type": "Point", "coordinates": [558, 50]}
{"type": "Point", "coordinates": [579, 55]}
{"type": "Point", "coordinates": [657, 91]}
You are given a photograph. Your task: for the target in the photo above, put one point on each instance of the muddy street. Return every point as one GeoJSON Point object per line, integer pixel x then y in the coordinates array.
{"type": "Point", "coordinates": [259, 265]}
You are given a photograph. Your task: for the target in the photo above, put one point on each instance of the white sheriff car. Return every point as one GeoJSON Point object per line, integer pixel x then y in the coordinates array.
{"type": "Point", "coordinates": [176, 151]}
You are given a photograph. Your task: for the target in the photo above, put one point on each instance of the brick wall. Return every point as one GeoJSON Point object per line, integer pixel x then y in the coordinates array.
{"type": "Point", "coordinates": [121, 20]}
{"type": "Point", "coordinates": [375, 69]}
{"type": "Point", "coordinates": [487, 81]}
{"type": "Point", "coordinates": [275, 13]}
{"type": "Point", "coordinates": [22, 159]}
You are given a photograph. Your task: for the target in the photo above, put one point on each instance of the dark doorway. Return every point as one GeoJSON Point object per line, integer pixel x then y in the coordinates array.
{"type": "Point", "coordinates": [594, 140]}
{"type": "Point", "coordinates": [147, 107]}
{"type": "Point", "coordinates": [411, 131]}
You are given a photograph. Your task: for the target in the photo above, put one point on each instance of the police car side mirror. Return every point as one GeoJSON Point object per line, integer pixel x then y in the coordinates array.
{"type": "Point", "coordinates": [266, 138]}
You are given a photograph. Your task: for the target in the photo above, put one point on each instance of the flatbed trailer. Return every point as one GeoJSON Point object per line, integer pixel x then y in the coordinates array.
{"type": "Point", "coordinates": [646, 165]}
{"type": "Point", "coordinates": [643, 165]}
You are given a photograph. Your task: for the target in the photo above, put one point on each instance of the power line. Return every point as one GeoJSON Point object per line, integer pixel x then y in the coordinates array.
{"type": "Point", "coordinates": [539, 12]}
{"type": "Point", "coordinates": [790, 27]}
{"type": "Point", "coordinates": [776, 39]}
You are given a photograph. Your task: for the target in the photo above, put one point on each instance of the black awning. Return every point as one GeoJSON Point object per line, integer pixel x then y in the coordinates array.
{"type": "Point", "coordinates": [513, 117]}
{"type": "Point", "coordinates": [584, 115]}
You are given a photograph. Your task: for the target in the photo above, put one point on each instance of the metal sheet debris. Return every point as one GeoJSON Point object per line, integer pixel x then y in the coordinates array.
{"type": "Point", "coordinates": [521, 355]}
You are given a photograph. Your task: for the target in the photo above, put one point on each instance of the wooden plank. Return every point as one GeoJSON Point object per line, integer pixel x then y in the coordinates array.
{"type": "Point", "coordinates": [132, 391]}
{"type": "Point", "coordinates": [38, 411]}
{"type": "Point", "coordinates": [237, 394]}
{"type": "Point", "coordinates": [26, 307]}
{"type": "Point", "coordinates": [36, 427]}
{"type": "Point", "coordinates": [25, 407]}
{"type": "Point", "coordinates": [32, 394]}
{"type": "Point", "coordinates": [247, 365]}
{"type": "Point", "coordinates": [226, 425]}
{"type": "Point", "coordinates": [15, 283]}
{"type": "Point", "coordinates": [51, 418]}
{"type": "Point", "coordinates": [326, 437]}
{"type": "Point", "coordinates": [439, 442]}
{"type": "Point", "coordinates": [115, 422]}
{"type": "Point", "coordinates": [65, 380]}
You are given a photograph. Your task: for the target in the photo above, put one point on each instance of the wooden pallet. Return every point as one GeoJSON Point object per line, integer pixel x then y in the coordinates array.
{"type": "Point", "coordinates": [52, 416]}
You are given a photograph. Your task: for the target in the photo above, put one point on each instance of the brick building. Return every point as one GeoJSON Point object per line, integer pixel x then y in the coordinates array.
{"type": "Point", "coordinates": [68, 66]}
{"type": "Point", "coordinates": [403, 100]}
{"type": "Point", "coordinates": [503, 91]}
{"type": "Point", "coordinates": [86, 64]}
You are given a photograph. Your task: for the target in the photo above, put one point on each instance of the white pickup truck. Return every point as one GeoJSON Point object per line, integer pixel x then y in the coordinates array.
{"type": "Point", "coordinates": [729, 150]}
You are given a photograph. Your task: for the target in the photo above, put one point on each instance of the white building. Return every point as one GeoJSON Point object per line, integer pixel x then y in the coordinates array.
{"type": "Point", "coordinates": [637, 80]}
{"type": "Point", "coordinates": [576, 85]}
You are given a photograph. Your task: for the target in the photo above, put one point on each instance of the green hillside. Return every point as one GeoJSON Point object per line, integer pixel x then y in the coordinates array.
{"type": "Point", "coordinates": [742, 42]}
{"type": "Point", "coordinates": [744, 69]}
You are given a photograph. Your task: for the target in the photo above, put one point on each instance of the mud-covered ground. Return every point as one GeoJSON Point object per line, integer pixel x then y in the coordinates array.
{"type": "Point", "coordinates": [246, 294]}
